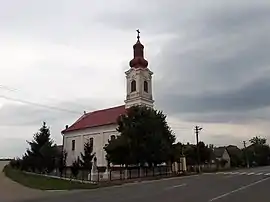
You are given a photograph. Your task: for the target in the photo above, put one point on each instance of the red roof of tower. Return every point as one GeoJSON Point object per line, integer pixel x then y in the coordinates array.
{"type": "Point", "coordinates": [138, 59]}
{"type": "Point", "coordinates": [97, 118]}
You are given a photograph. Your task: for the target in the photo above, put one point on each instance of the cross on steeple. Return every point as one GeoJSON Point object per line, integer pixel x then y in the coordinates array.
{"type": "Point", "coordinates": [138, 36]}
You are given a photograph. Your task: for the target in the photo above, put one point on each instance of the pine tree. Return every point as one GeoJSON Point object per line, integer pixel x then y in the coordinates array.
{"type": "Point", "coordinates": [41, 154]}
{"type": "Point", "coordinates": [62, 162]}
{"type": "Point", "coordinates": [75, 167]}
{"type": "Point", "coordinates": [87, 156]}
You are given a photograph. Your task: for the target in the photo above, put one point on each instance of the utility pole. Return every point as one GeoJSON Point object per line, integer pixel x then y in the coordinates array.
{"type": "Point", "coordinates": [245, 152]}
{"type": "Point", "coordinates": [197, 130]}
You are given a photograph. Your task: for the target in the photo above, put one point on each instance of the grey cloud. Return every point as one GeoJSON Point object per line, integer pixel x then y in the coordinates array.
{"type": "Point", "coordinates": [233, 19]}
{"type": "Point", "coordinates": [252, 96]}
{"type": "Point", "coordinates": [177, 16]}
{"type": "Point", "coordinates": [224, 77]}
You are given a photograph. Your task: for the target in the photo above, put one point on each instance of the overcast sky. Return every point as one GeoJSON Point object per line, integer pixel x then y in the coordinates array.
{"type": "Point", "coordinates": [210, 61]}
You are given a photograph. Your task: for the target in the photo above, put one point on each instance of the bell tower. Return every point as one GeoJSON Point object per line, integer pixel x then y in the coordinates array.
{"type": "Point", "coordinates": [139, 79]}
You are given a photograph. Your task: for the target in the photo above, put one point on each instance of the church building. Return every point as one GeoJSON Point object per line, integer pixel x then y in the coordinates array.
{"type": "Point", "coordinates": [100, 126]}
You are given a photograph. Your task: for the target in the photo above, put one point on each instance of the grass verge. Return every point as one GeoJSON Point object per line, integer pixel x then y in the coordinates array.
{"type": "Point", "coordinates": [45, 183]}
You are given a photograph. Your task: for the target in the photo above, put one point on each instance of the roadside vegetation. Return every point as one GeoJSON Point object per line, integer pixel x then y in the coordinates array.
{"type": "Point", "coordinates": [44, 183]}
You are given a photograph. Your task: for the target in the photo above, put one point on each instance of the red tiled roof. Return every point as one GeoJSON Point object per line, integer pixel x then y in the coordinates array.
{"type": "Point", "coordinates": [97, 118]}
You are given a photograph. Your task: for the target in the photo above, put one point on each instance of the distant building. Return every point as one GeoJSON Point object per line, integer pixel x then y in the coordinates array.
{"type": "Point", "coordinates": [100, 126]}
{"type": "Point", "coordinates": [221, 154]}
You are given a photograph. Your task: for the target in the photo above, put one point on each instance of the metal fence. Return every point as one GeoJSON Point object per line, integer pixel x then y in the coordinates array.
{"type": "Point", "coordinates": [115, 173]}
{"type": "Point", "coordinates": [139, 172]}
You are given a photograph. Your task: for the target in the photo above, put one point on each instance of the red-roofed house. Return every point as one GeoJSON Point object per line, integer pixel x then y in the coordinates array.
{"type": "Point", "coordinates": [99, 126]}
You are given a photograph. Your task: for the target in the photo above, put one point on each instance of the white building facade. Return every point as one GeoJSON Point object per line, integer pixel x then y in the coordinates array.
{"type": "Point", "coordinates": [100, 126]}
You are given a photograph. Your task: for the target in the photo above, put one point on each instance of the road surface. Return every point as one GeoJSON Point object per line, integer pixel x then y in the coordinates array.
{"type": "Point", "coordinates": [246, 185]}
{"type": "Point", "coordinates": [12, 191]}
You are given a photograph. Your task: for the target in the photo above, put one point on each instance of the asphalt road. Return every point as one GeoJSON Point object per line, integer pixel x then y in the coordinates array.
{"type": "Point", "coordinates": [246, 185]}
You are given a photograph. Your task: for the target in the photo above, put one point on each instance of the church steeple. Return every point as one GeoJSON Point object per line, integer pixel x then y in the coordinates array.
{"type": "Point", "coordinates": [138, 60]}
{"type": "Point", "coordinates": [139, 79]}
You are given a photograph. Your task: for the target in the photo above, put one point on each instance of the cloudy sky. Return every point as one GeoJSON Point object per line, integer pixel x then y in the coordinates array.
{"type": "Point", "coordinates": [210, 61]}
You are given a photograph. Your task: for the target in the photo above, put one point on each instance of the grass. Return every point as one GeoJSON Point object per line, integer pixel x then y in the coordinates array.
{"type": "Point", "coordinates": [45, 183]}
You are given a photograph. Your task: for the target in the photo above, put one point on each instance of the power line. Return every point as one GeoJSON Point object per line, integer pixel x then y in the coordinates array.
{"type": "Point", "coordinates": [38, 105]}
{"type": "Point", "coordinates": [8, 88]}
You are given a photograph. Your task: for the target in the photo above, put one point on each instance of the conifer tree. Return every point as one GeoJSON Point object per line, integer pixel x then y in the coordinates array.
{"type": "Point", "coordinates": [87, 156]}
{"type": "Point", "coordinates": [42, 152]}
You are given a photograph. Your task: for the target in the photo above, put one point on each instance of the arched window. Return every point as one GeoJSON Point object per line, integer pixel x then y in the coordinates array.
{"type": "Point", "coordinates": [133, 85]}
{"type": "Point", "coordinates": [145, 86]}
{"type": "Point", "coordinates": [113, 137]}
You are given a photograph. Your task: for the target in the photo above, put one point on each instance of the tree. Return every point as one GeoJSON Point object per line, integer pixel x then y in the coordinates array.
{"type": "Point", "coordinates": [258, 140]}
{"type": "Point", "coordinates": [41, 154]}
{"type": "Point", "coordinates": [190, 151]}
{"type": "Point", "coordinates": [258, 153]}
{"type": "Point", "coordinates": [75, 167]}
{"type": "Point", "coordinates": [145, 137]}
{"type": "Point", "coordinates": [205, 152]}
{"type": "Point", "coordinates": [62, 161]}
{"type": "Point", "coordinates": [176, 152]}
{"type": "Point", "coordinates": [118, 152]}
{"type": "Point", "coordinates": [16, 163]}
{"type": "Point", "coordinates": [87, 156]}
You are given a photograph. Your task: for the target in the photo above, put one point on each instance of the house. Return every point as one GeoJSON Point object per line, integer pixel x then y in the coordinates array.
{"type": "Point", "coordinates": [221, 154]}
{"type": "Point", "coordinates": [236, 155]}
{"type": "Point", "coordinates": [100, 126]}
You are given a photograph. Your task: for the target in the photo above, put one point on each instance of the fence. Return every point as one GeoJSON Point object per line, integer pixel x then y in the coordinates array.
{"type": "Point", "coordinates": [115, 173]}
{"type": "Point", "coordinates": [139, 172]}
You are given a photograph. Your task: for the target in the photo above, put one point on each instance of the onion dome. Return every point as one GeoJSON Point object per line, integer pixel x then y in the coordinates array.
{"type": "Point", "coordinates": [138, 61]}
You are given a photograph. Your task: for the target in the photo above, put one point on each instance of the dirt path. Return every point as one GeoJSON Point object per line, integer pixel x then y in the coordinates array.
{"type": "Point", "coordinates": [12, 191]}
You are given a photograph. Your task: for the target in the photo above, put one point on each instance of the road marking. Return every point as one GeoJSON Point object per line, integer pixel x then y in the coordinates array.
{"type": "Point", "coordinates": [267, 174]}
{"type": "Point", "coordinates": [250, 173]}
{"type": "Point", "coordinates": [239, 189]}
{"type": "Point", "coordinates": [55, 190]}
{"type": "Point", "coordinates": [176, 186]}
{"type": "Point", "coordinates": [259, 173]}
{"type": "Point", "coordinates": [234, 173]}
{"type": "Point", "coordinates": [243, 173]}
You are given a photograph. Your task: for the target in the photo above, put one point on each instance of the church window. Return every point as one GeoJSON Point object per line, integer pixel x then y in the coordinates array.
{"type": "Point", "coordinates": [133, 85]}
{"type": "Point", "coordinates": [145, 86]}
{"type": "Point", "coordinates": [73, 145]}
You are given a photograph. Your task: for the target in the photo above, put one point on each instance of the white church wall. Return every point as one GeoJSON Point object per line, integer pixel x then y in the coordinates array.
{"type": "Point", "coordinates": [100, 136]}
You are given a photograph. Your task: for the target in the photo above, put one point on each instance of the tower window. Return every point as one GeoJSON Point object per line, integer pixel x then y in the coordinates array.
{"type": "Point", "coordinates": [133, 85]}
{"type": "Point", "coordinates": [145, 86]}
